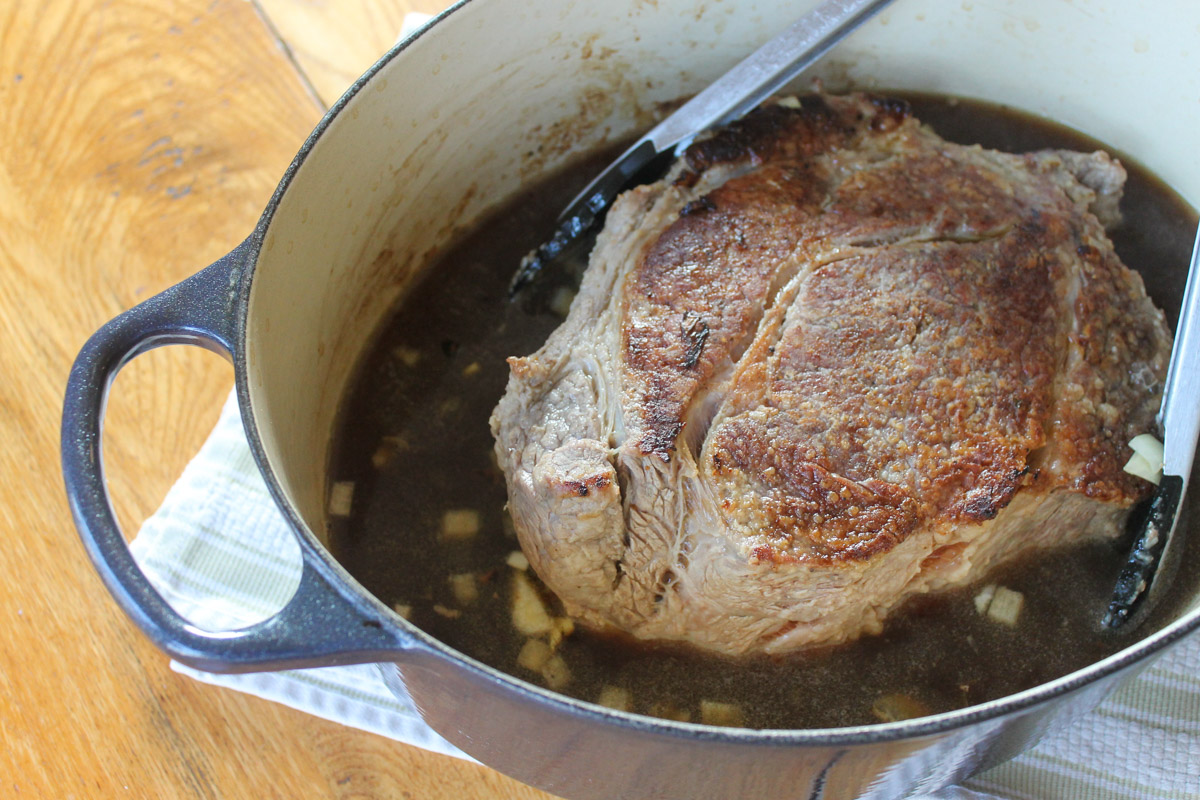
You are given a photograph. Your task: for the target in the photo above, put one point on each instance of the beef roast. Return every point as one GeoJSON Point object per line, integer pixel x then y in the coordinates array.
{"type": "Point", "coordinates": [831, 361]}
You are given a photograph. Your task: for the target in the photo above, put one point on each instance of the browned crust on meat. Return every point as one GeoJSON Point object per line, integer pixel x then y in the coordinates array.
{"type": "Point", "coordinates": [801, 506]}
{"type": "Point", "coordinates": [707, 275]}
{"type": "Point", "coordinates": [1103, 405]}
{"type": "Point", "coordinates": [778, 131]}
{"type": "Point", "coordinates": [847, 434]}
{"type": "Point", "coordinates": [585, 486]}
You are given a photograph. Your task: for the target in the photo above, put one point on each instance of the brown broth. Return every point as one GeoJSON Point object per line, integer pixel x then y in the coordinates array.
{"type": "Point", "coordinates": [437, 369]}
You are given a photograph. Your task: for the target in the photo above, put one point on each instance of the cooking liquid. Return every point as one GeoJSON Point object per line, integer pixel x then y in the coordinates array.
{"type": "Point", "coordinates": [414, 438]}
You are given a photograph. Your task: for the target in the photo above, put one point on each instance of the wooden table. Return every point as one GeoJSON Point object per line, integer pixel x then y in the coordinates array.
{"type": "Point", "coordinates": [141, 141]}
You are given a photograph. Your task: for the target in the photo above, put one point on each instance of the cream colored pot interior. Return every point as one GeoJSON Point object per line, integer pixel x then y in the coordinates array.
{"type": "Point", "coordinates": [501, 91]}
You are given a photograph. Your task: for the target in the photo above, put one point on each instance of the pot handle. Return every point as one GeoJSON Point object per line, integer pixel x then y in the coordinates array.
{"type": "Point", "coordinates": [323, 624]}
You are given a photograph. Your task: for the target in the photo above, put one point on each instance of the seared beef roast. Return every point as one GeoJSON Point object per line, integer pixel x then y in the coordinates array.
{"type": "Point", "coordinates": [829, 362]}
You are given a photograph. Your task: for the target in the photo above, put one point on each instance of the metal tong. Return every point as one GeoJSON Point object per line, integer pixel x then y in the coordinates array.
{"type": "Point", "coordinates": [1142, 579]}
{"type": "Point", "coordinates": [740, 89]}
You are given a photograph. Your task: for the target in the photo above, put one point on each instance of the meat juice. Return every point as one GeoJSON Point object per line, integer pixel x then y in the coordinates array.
{"type": "Point", "coordinates": [427, 531]}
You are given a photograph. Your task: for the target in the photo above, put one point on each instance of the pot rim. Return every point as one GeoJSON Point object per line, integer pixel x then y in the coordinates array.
{"type": "Point", "coordinates": [1126, 659]}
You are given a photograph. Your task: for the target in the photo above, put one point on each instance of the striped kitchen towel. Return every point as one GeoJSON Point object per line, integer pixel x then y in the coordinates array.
{"type": "Point", "coordinates": [220, 552]}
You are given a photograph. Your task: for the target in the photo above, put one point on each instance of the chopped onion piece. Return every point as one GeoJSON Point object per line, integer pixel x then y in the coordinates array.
{"type": "Point", "coordinates": [448, 613]}
{"type": "Point", "coordinates": [388, 447]}
{"type": "Point", "coordinates": [984, 598]}
{"type": "Point", "coordinates": [517, 560]}
{"type": "Point", "coordinates": [895, 707]}
{"type": "Point", "coordinates": [555, 672]}
{"type": "Point", "coordinates": [465, 588]}
{"type": "Point", "coordinates": [667, 710]}
{"type": "Point", "coordinates": [1140, 467]}
{"type": "Point", "coordinates": [529, 614]}
{"type": "Point", "coordinates": [1150, 448]}
{"type": "Point", "coordinates": [1006, 606]}
{"type": "Point", "coordinates": [341, 495]}
{"type": "Point", "coordinates": [1147, 459]}
{"type": "Point", "coordinates": [403, 609]}
{"type": "Point", "coordinates": [616, 697]}
{"type": "Point", "coordinates": [1000, 604]}
{"type": "Point", "coordinates": [449, 407]}
{"type": "Point", "coordinates": [728, 715]}
{"type": "Point", "coordinates": [560, 301]}
{"type": "Point", "coordinates": [563, 627]}
{"type": "Point", "coordinates": [534, 655]}
{"type": "Point", "coordinates": [410, 356]}
{"type": "Point", "coordinates": [459, 524]}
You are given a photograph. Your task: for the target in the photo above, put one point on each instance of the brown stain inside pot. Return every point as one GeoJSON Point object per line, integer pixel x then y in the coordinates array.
{"type": "Point", "coordinates": [428, 502]}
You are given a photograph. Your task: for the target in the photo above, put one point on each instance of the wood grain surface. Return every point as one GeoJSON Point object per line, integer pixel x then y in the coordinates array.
{"type": "Point", "coordinates": [141, 141]}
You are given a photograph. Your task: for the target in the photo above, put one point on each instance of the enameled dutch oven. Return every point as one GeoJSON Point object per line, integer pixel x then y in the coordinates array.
{"type": "Point", "coordinates": [450, 123]}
